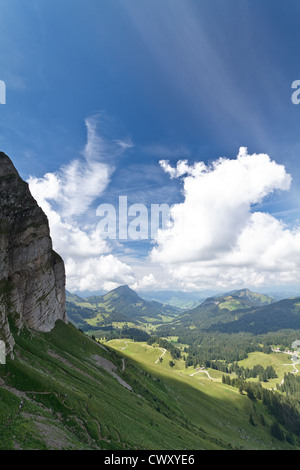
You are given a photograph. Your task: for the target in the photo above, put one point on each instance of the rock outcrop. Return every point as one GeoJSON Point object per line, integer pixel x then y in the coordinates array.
{"type": "Point", "coordinates": [32, 275]}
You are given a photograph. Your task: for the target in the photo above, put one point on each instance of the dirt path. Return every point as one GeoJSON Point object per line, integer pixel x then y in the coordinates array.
{"type": "Point", "coordinates": [294, 366]}
{"type": "Point", "coordinates": [163, 352]}
{"type": "Point", "coordinates": [205, 371]}
{"type": "Point", "coordinates": [294, 371]}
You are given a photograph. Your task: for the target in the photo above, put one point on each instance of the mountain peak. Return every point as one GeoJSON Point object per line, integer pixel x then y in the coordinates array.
{"type": "Point", "coordinates": [254, 297]}
{"type": "Point", "coordinates": [123, 291]}
{"type": "Point", "coordinates": [6, 166]}
{"type": "Point", "coordinates": [123, 288]}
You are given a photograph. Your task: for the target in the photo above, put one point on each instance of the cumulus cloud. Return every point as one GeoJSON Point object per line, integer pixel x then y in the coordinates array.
{"type": "Point", "coordinates": [216, 238]}
{"type": "Point", "coordinates": [183, 168]}
{"type": "Point", "coordinates": [146, 282]}
{"type": "Point", "coordinates": [68, 194]}
{"type": "Point", "coordinates": [92, 273]}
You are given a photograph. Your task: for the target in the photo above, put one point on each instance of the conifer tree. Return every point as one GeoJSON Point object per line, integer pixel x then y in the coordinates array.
{"type": "Point", "coordinates": [251, 420]}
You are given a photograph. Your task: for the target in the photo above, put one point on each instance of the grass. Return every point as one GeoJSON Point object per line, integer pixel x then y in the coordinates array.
{"type": "Point", "coordinates": [231, 304]}
{"type": "Point", "coordinates": [72, 402]}
{"type": "Point", "coordinates": [84, 402]}
{"type": "Point", "coordinates": [280, 361]}
{"type": "Point", "coordinates": [220, 409]}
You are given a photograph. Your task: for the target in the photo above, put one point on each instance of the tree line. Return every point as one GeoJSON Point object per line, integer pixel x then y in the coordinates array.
{"type": "Point", "coordinates": [284, 408]}
{"type": "Point", "coordinates": [205, 345]}
{"type": "Point", "coordinates": [163, 343]}
{"type": "Point", "coordinates": [263, 374]}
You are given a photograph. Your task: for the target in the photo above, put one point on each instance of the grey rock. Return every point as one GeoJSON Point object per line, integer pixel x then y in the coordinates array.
{"type": "Point", "coordinates": [32, 274]}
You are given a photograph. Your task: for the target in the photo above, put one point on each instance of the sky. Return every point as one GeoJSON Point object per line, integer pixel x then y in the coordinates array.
{"type": "Point", "coordinates": [115, 108]}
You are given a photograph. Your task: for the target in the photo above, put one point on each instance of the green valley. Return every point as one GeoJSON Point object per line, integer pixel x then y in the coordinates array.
{"type": "Point", "coordinates": [220, 349]}
{"type": "Point", "coordinates": [64, 390]}
{"type": "Point", "coordinates": [118, 308]}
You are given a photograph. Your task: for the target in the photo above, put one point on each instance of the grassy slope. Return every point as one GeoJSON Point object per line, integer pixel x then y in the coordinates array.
{"type": "Point", "coordinates": [284, 314]}
{"type": "Point", "coordinates": [118, 307]}
{"type": "Point", "coordinates": [281, 362]}
{"type": "Point", "coordinates": [227, 308]}
{"type": "Point", "coordinates": [218, 408]}
{"type": "Point", "coordinates": [70, 401]}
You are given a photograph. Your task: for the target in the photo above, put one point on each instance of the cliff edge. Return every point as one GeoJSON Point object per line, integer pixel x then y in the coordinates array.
{"type": "Point", "coordinates": [32, 275]}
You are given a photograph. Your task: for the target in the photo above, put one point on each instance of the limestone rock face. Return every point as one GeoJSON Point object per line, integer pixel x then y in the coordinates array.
{"type": "Point", "coordinates": [32, 275]}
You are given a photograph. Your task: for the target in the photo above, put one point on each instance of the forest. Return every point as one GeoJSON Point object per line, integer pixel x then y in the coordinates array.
{"type": "Point", "coordinates": [284, 407]}
{"type": "Point", "coordinates": [202, 346]}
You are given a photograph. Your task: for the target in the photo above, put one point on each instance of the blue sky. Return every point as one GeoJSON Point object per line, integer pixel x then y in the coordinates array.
{"type": "Point", "coordinates": [128, 83]}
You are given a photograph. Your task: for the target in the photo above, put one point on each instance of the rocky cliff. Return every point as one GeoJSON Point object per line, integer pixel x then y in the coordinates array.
{"type": "Point", "coordinates": [32, 275]}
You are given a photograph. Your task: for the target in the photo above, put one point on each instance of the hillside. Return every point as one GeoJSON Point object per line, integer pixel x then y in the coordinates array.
{"type": "Point", "coordinates": [65, 391]}
{"type": "Point", "coordinates": [121, 305]}
{"type": "Point", "coordinates": [243, 298]}
{"type": "Point", "coordinates": [127, 302]}
{"type": "Point", "coordinates": [284, 314]}
{"type": "Point", "coordinates": [223, 308]}
{"type": "Point", "coordinates": [242, 311]}
{"type": "Point", "coordinates": [88, 315]}
{"type": "Point", "coordinates": [182, 300]}
{"type": "Point", "coordinates": [232, 312]}
{"type": "Point", "coordinates": [61, 389]}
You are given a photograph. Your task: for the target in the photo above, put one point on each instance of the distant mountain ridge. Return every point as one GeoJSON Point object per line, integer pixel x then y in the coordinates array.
{"type": "Point", "coordinates": [126, 301]}
{"type": "Point", "coordinates": [280, 315]}
{"type": "Point", "coordinates": [119, 305]}
{"type": "Point", "coordinates": [223, 308]}
{"type": "Point", "coordinates": [234, 311]}
{"type": "Point", "coordinates": [183, 300]}
{"type": "Point", "coordinates": [244, 298]}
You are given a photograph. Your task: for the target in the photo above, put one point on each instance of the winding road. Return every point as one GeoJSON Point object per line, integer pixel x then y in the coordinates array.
{"type": "Point", "coordinates": [295, 370]}
{"type": "Point", "coordinates": [205, 371]}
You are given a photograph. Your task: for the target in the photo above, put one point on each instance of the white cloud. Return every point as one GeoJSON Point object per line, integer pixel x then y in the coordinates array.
{"type": "Point", "coordinates": [146, 282]}
{"type": "Point", "coordinates": [67, 195]}
{"type": "Point", "coordinates": [124, 144]}
{"type": "Point", "coordinates": [215, 238]}
{"type": "Point", "coordinates": [183, 168]}
{"type": "Point", "coordinates": [92, 273]}
{"type": "Point", "coordinates": [77, 184]}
